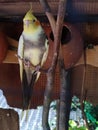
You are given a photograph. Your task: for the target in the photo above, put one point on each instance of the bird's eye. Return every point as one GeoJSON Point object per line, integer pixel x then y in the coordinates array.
{"type": "Point", "coordinates": [34, 20]}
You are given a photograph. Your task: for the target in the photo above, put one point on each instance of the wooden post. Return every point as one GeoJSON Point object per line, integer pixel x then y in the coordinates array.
{"type": "Point", "coordinates": [9, 119]}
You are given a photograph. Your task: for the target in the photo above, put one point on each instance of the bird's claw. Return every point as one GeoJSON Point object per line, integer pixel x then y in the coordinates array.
{"type": "Point", "coordinates": [37, 68]}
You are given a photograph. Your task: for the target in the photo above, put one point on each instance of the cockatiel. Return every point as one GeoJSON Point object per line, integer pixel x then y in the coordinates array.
{"type": "Point", "coordinates": [32, 53]}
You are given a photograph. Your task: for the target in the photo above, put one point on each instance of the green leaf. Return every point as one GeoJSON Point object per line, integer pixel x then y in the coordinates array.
{"type": "Point", "coordinates": [96, 128]}
{"type": "Point", "coordinates": [72, 123]}
{"type": "Point", "coordinates": [78, 128]}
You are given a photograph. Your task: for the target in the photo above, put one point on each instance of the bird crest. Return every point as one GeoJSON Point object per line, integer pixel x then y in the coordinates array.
{"type": "Point", "coordinates": [29, 15]}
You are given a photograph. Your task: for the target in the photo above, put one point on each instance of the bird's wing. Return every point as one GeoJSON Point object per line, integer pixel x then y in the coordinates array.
{"type": "Point", "coordinates": [43, 60]}
{"type": "Point", "coordinates": [45, 53]}
{"type": "Point", "coordinates": [21, 55]}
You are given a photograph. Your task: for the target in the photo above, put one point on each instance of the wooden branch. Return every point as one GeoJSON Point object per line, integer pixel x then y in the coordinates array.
{"type": "Point", "coordinates": [83, 97]}
{"type": "Point", "coordinates": [57, 31]}
{"type": "Point", "coordinates": [48, 13]}
{"type": "Point", "coordinates": [50, 74]}
{"type": "Point", "coordinates": [65, 96]}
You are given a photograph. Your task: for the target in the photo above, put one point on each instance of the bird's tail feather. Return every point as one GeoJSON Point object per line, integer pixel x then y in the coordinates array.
{"type": "Point", "coordinates": [27, 89]}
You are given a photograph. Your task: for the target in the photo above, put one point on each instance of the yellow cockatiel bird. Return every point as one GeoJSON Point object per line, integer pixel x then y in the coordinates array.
{"type": "Point", "coordinates": [32, 53]}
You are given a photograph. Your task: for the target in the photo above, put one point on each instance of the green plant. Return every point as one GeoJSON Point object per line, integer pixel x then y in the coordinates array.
{"type": "Point", "coordinates": [91, 112]}
{"type": "Point", "coordinates": [74, 126]}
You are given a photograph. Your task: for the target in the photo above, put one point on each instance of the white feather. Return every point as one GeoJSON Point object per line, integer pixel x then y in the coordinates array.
{"type": "Point", "coordinates": [20, 54]}
{"type": "Point", "coordinates": [34, 36]}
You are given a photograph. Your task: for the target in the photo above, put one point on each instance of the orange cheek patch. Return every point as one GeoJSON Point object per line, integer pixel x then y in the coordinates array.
{"type": "Point", "coordinates": [37, 23]}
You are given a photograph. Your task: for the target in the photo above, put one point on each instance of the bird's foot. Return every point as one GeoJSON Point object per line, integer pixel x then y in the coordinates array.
{"type": "Point", "coordinates": [27, 63]}
{"type": "Point", "coordinates": [37, 68]}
